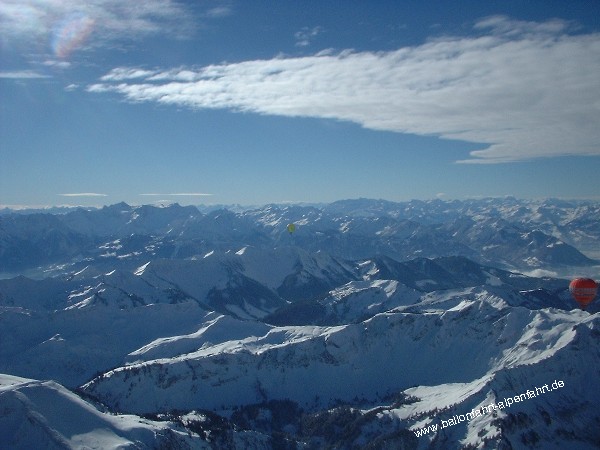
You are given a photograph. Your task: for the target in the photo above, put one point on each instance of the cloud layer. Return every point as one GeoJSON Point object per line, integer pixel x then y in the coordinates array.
{"type": "Point", "coordinates": [522, 90]}
{"type": "Point", "coordinates": [83, 194]}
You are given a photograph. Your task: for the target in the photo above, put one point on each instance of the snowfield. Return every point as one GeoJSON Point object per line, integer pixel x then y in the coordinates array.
{"type": "Point", "coordinates": [43, 414]}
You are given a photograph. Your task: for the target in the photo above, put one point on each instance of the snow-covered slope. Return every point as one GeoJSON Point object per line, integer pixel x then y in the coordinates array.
{"type": "Point", "coordinates": [552, 399]}
{"type": "Point", "coordinates": [384, 354]}
{"type": "Point", "coordinates": [72, 345]}
{"type": "Point", "coordinates": [451, 354]}
{"type": "Point", "coordinates": [71, 327]}
{"type": "Point", "coordinates": [359, 300]}
{"type": "Point", "coordinates": [216, 329]}
{"type": "Point", "coordinates": [43, 414]}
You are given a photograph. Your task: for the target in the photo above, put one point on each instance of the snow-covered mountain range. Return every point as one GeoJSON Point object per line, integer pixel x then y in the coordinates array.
{"type": "Point", "coordinates": [374, 325]}
{"type": "Point", "coordinates": [519, 235]}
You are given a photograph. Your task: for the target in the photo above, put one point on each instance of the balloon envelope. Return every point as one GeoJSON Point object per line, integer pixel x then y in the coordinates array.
{"type": "Point", "coordinates": [291, 228]}
{"type": "Point", "coordinates": [583, 290]}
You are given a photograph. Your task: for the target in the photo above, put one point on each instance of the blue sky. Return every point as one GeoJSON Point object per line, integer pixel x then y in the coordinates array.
{"type": "Point", "coordinates": [254, 102]}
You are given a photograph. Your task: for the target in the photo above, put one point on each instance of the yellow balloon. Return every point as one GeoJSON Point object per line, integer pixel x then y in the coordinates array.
{"type": "Point", "coordinates": [291, 228]}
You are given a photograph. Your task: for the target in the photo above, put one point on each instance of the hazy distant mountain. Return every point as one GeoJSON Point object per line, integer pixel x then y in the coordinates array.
{"type": "Point", "coordinates": [501, 232]}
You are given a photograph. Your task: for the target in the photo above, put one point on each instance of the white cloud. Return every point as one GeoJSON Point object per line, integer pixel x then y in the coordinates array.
{"type": "Point", "coordinates": [502, 26]}
{"type": "Point", "coordinates": [124, 73]}
{"type": "Point", "coordinates": [22, 74]}
{"type": "Point", "coordinates": [83, 194]}
{"type": "Point", "coordinates": [522, 90]}
{"type": "Point", "coordinates": [540, 273]}
{"type": "Point", "coordinates": [57, 64]}
{"type": "Point", "coordinates": [182, 194]}
{"type": "Point", "coordinates": [306, 35]}
{"type": "Point", "coordinates": [71, 24]}
{"type": "Point", "coordinates": [218, 12]}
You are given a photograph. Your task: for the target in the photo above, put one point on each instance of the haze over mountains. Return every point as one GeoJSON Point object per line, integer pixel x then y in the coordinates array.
{"type": "Point", "coordinates": [216, 328]}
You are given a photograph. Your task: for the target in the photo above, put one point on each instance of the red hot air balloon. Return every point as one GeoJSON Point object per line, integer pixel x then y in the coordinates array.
{"type": "Point", "coordinates": [583, 291]}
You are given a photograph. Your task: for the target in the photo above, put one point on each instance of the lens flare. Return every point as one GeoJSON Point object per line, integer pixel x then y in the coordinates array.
{"type": "Point", "coordinates": [71, 33]}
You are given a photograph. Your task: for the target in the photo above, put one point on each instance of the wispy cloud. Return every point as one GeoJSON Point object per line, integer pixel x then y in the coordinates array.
{"type": "Point", "coordinates": [57, 64]}
{"type": "Point", "coordinates": [306, 35]}
{"type": "Point", "coordinates": [522, 90]}
{"type": "Point", "coordinates": [218, 12]}
{"type": "Point", "coordinates": [126, 73]}
{"type": "Point", "coordinates": [181, 194]}
{"type": "Point", "coordinates": [71, 24]}
{"type": "Point", "coordinates": [22, 75]}
{"type": "Point", "coordinates": [83, 194]}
